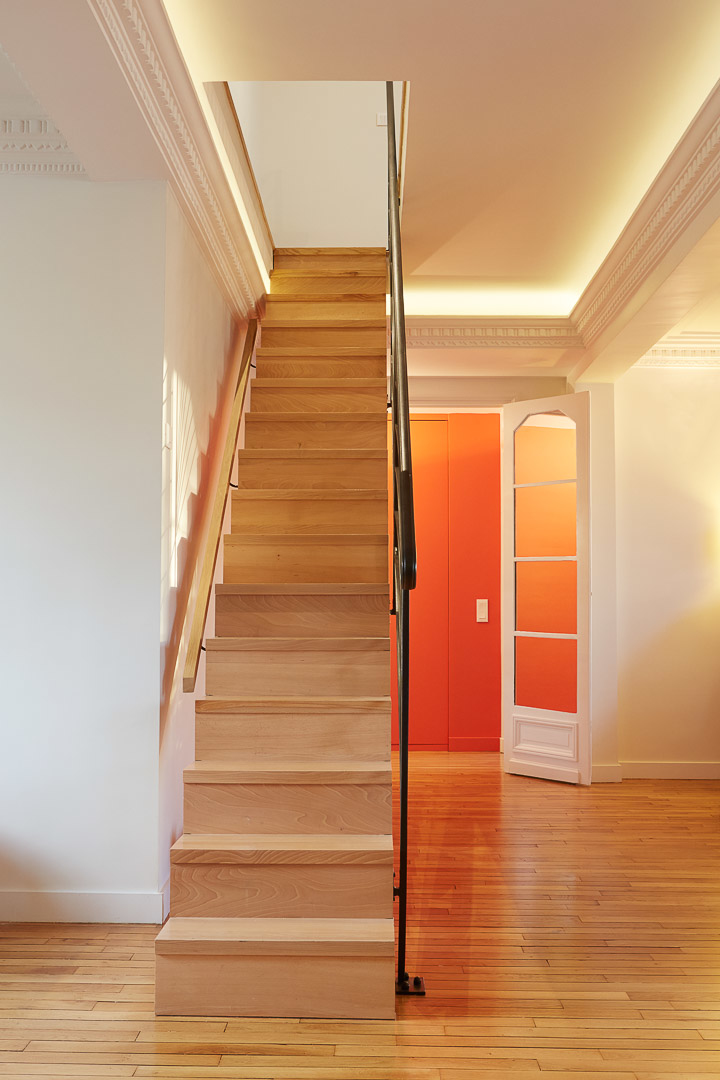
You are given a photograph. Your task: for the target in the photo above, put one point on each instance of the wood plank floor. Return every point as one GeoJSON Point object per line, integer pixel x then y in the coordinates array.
{"type": "Point", "coordinates": [564, 934]}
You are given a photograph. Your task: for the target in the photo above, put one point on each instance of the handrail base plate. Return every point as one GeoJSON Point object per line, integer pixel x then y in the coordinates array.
{"type": "Point", "coordinates": [410, 986]}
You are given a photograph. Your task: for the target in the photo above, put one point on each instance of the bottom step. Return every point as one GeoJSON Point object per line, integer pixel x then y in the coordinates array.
{"type": "Point", "coordinates": [334, 968]}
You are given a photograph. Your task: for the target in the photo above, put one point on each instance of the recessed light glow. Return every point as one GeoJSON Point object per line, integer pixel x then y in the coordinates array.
{"type": "Point", "coordinates": [492, 303]}
{"type": "Point", "coordinates": [232, 181]}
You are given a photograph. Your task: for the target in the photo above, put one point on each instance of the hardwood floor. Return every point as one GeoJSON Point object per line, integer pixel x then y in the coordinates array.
{"type": "Point", "coordinates": [564, 934]}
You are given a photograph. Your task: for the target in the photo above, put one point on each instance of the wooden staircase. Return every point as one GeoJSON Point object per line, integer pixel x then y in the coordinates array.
{"type": "Point", "coordinates": [281, 884]}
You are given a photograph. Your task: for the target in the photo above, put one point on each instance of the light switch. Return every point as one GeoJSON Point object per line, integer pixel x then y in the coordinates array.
{"type": "Point", "coordinates": [381, 119]}
{"type": "Point", "coordinates": [481, 611]}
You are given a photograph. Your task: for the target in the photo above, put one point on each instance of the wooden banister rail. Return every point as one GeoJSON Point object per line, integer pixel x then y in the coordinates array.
{"type": "Point", "coordinates": [212, 546]}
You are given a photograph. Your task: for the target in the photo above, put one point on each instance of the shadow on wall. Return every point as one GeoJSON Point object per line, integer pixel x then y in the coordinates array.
{"type": "Point", "coordinates": [26, 877]}
{"type": "Point", "coordinates": [669, 692]}
{"type": "Point", "coordinates": [188, 487]}
{"type": "Point", "coordinates": [668, 532]}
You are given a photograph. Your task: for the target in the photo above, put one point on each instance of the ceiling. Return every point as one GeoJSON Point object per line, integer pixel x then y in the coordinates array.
{"type": "Point", "coordinates": [535, 128]}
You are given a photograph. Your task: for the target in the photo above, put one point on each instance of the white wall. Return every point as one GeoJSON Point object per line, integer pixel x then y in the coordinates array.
{"type": "Point", "coordinates": [81, 337]}
{"type": "Point", "coordinates": [319, 159]}
{"type": "Point", "coordinates": [115, 339]}
{"type": "Point", "coordinates": [603, 585]}
{"type": "Point", "coordinates": [668, 547]}
{"type": "Point", "coordinates": [200, 363]}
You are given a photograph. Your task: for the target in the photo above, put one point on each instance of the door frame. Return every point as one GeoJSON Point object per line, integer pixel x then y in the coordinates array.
{"type": "Point", "coordinates": [570, 759]}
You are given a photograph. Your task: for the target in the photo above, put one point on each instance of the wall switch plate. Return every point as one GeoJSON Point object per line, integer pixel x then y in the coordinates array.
{"type": "Point", "coordinates": [381, 119]}
{"type": "Point", "coordinates": [481, 611]}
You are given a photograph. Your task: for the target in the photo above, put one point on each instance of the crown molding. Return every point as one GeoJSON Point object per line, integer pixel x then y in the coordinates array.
{"type": "Point", "coordinates": [680, 359]}
{"type": "Point", "coordinates": [488, 333]}
{"type": "Point", "coordinates": [688, 181]}
{"type": "Point", "coordinates": [156, 73]}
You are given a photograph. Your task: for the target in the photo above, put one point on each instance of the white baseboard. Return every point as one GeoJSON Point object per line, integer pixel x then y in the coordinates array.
{"type": "Point", "coordinates": [607, 774]}
{"type": "Point", "coordinates": [90, 907]}
{"type": "Point", "coordinates": [670, 770]}
{"type": "Point", "coordinates": [502, 745]}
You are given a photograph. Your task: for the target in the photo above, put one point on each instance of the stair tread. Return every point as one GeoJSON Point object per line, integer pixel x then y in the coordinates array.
{"type": "Point", "coordinates": [345, 322]}
{"type": "Point", "coordinates": [300, 453]}
{"type": "Point", "coordinates": [295, 704]}
{"type": "Point", "coordinates": [341, 588]}
{"type": "Point", "coordinates": [313, 271]}
{"type": "Point", "coordinates": [338, 539]}
{"type": "Point", "coordinates": [322, 352]}
{"type": "Point", "coordinates": [312, 383]}
{"type": "Point", "coordinates": [288, 772]}
{"type": "Point", "coordinates": [370, 251]}
{"type": "Point", "coordinates": [330, 417]}
{"type": "Point", "coordinates": [358, 297]}
{"type": "Point", "coordinates": [205, 848]}
{"type": "Point", "coordinates": [299, 936]}
{"type": "Point", "coordinates": [298, 644]}
{"type": "Point", "coordinates": [308, 454]}
{"type": "Point", "coordinates": [311, 494]}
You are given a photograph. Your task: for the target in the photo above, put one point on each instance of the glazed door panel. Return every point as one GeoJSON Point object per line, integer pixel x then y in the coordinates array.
{"type": "Point", "coordinates": [546, 588]}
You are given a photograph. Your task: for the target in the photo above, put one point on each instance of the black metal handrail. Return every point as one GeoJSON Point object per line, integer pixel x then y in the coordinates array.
{"type": "Point", "coordinates": [404, 551]}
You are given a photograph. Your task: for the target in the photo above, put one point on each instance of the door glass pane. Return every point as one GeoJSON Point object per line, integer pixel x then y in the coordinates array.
{"type": "Point", "coordinates": [546, 597]}
{"type": "Point", "coordinates": [546, 673]}
{"type": "Point", "coordinates": [545, 520]}
{"type": "Point", "coordinates": [545, 449]}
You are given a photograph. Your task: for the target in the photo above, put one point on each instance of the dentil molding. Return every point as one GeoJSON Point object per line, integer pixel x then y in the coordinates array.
{"type": "Point", "coordinates": [688, 349]}
{"type": "Point", "coordinates": [32, 144]}
{"type": "Point", "coordinates": [680, 359]}
{"type": "Point", "coordinates": [492, 334]}
{"type": "Point", "coordinates": [29, 140]}
{"type": "Point", "coordinates": [145, 66]}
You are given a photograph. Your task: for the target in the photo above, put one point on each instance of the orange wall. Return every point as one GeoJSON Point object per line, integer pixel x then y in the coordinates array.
{"type": "Point", "coordinates": [429, 612]}
{"type": "Point", "coordinates": [474, 525]}
{"type": "Point", "coordinates": [455, 661]}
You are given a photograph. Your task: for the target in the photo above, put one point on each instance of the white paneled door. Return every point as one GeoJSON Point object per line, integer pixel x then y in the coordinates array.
{"type": "Point", "coordinates": [546, 588]}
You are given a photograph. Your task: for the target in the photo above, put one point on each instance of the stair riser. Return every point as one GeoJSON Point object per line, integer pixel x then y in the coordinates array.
{"type": "Point", "coordinates": [288, 473]}
{"type": "Point", "coordinates": [296, 563]}
{"type": "Point", "coordinates": [306, 337]}
{"type": "Point", "coordinates": [283, 736]}
{"type": "Point", "coordinates": [264, 434]}
{"type": "Point", "coordinates": [351, 284]}
{"type": "Point", "coordinates": [296, 986]}
{"type": "Point", "coordinates": [296, 516]}
{"type": "Point", "coordinates": [335, 891]}
{"type": "Point", "coordinates": [288, 808]}
{"type": "Point", "coordinates": [350, 310]}
{"type": "Point", "coordinates": [298, 615]}
{"type": "Point", "coordinates": [371, 367]}
{"type": "Point", "coordinates": [329, 261]}
{"type": "Point", "coordinates": [311, 674]}
{"type": "Point", "coordinates": [293, 399]}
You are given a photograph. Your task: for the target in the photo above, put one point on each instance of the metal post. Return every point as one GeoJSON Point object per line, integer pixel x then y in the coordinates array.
{"type": "Point", "coordinates": [403, 536]}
